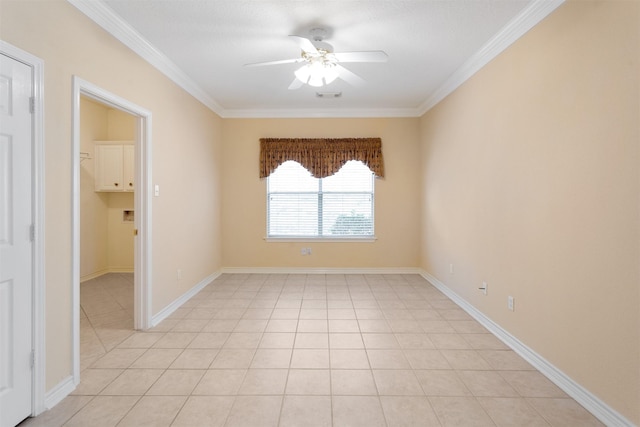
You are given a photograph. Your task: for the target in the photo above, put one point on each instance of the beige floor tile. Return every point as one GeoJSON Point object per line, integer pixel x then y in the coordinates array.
{"type": "Point", "coordinates": [210, 411]}
{"type": "Point", "coordinates": [309, 382]}
{"type": "Point", "coordinates": [282, 325]}
{"type": "Point", "coordinates": [257, 313]}
{"type": "Point", "coordinates": [380, 341]}
{"type": "Point", "coordinates": [505, 360]}
{"type": "Point", "coordinates": [93, 381]}
{"type": "Point", "coordinates": [255, 411]}
{"type": "Point", "coordinates": [176, 382]}
{"type": "Point", "coordinates": [313, 313]}
{"type": "Point", "coordinates": [426, 359]}
{"type": "Point", "coordinates": [460, 412]}
{"type": "Point", "coordinates": [59, 414]}
{"type": "Point", "coordinates": [103, 411]}
{"type": "Point", "coordinates": [487, 383]}
{"type": "Point", "coordinates": [119, 358]}
{"type": "Point", "coordinates": [394, 382]}
{"type": "Point", "coordinates": [175, 340]}
{"type": "Point", "coordinates": [353, 382]}
{"type": "Point", "coordinates": [277, 340]}
{"type": "Point", "coordinates": [512, 412]}
{"type": "Point", "coordinates": [310, 359]}
{"type": "Point", "coordinates": [132, 382]}
{"type": "Point", "coordinates": [220, 382]}
{"type": "Point", "coordinates": [408, 411]}
{"type": "Point", "coordinates": [357, 411]}
{"type": "Point", "coordinates": [307, 411]}
{"type": "Point", "coordinates": [436, 327]}
{"type": "Point", "coordinates": [190, 325]}
{"type": "Point", "coordinates": [220, 326]}
{"type": "Point", "coordinates": [157, 358]}
{"type": "Point", "coordinates": [313, 325]}
{"type": "Point", "coordinates": [560, 412]}
{"type": "Point", "coordinates": [387, 359]}
{"type": "Point", "coordinates": [369, 314]}
{"type": "Point", "coordinates": [233, 359]}
{"type": "Point", "coordinates": [374, 326]}
{"type": "Point", "coordinates": [243, 340]}
{"type": "Point", "coordinates": [441, 383]}
{"type": "Point", "coordinates": [468, 327]}
{"type": "Point", "coordinates": [251, 325]}
{"type": "Point", "coordinates": [349, 359]}
{"type": "Point", "coordinates": [194, 359]}
{"type": "Point", "coordinates": [312, 340]}
{"type": "Point", "coordinates": [153, 411]}
{"type": "Point", "coordinates": [285, 313]}
{"type": "Point", "coordinates": [451, 341]}
{"type": "Point", "coordinates": [141, 340]}
{"type": "Point", "coordinates": [532, 384]}
{"type": "Point", "coordinates": [341, 314]}
{"type": "Point", "coordinates": [264, 382]}
{"type": "Point", "coordinates": [425, 314]}
{"type": "Point", "coordinates": [271, 358]}
{"type": "Point", "coordinates": [420, 340]}
{"type": "Point", "coordinates": [344, 325]}
{"type": "Point", "coordinates": [484, 342]}
{"type": "Point", "coordinates": [345, 341]}
{"type": "Point", "coordinates": [465, 359]}
{"type": "Point", "coordinates": [209, 340]}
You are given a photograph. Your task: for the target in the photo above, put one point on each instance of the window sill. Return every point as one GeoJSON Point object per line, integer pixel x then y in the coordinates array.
{"type": "Point", "coordinates": [370, 239]}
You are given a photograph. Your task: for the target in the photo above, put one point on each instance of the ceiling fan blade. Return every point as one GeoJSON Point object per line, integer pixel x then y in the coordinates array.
{"type": "Point", "coordinates": [295, 84]}
{"type": "Point", "coordinates": [305, 44]}
{"type": "Point", "coordinates": [365, 56]}
{"type": "Point", "coordinates": [348, 76]}
{"type": "Point", "coordinates": [283, 61]}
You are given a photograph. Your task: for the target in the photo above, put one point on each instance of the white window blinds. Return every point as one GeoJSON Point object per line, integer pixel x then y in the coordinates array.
{"type": "Point", "coordinates": [338, 206]}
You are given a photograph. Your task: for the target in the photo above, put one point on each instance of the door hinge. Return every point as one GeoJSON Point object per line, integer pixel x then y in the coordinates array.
{"type": "Point", "coordinates": [135, 231]}
{"type": "Point", "coordinates": [32, 232]}
{"type": "Point", "coordinates": [32, 105]}
{"type": "Point", "coordinates": [33, 358]}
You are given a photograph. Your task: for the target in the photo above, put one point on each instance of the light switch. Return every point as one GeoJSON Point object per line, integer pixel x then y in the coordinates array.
{"type": "Point", "coordinates": [156, 190]}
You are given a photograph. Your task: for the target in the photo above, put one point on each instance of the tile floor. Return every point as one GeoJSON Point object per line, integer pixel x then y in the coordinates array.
{"type": "Point", "coordinates": [303, 350]}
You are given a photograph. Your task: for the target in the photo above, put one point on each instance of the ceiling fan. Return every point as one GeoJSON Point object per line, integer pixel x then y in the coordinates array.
{"type": "Point", "coordinates": [321, 65]}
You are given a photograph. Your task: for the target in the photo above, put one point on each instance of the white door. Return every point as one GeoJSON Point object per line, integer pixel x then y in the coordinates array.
{"type": "Point", "coordinates": [16, 246]}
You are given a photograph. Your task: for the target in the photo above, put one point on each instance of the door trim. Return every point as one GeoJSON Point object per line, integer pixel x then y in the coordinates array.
{"type": "Point", "coordinates": [38, 192]}
{"type": "Point", "coordinates": [142, 206]}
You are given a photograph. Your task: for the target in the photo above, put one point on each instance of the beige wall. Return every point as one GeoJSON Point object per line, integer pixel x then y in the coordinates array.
{"type": "Point", "coordinates": [530, 182]}
{"type": "Point", "coordinates": [396, 196]}
{"type": "Point", "coordinates": [93, 206]}
{"type": "Point", "coordinates": [185, 148]}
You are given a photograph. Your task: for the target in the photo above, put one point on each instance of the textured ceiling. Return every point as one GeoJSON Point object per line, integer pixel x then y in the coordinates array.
{"type": "Point", "coordinates": [427, 42]}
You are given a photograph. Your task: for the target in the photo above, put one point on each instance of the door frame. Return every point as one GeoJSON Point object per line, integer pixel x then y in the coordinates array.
{"type": "Point", "coordinates": [142, 207]}
{"type": "Point", "coordinates": [37, 199]}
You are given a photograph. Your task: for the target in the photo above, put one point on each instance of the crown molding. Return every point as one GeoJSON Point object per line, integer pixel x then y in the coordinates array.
{"type": "Point", "coordinates": [321, 113]}
{"type": "Point", "coordinates": [535, 12]}
{"type": "Point", "coordinates": [102, 15]}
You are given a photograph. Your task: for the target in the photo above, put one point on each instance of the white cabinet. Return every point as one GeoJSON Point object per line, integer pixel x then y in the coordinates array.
{"type": "Point", "coordinates": [114, 166]}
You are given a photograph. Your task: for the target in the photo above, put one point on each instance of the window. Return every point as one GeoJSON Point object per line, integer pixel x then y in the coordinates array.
{"type": "Point", "coordinates": [335, 207]}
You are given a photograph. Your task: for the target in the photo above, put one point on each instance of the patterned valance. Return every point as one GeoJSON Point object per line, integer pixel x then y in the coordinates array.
{"type": "Point", "coordinates": [321, 156]}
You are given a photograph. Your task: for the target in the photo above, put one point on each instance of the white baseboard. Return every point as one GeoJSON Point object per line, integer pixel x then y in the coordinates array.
{"type": "Point", "coordinates": [166, 312]}
{"type": "Point", "coordinates": [584, 397]}
{"type": "Point", "coordinates": [59, 392]}
{"type": "Point", "coordinates": [320, 270]}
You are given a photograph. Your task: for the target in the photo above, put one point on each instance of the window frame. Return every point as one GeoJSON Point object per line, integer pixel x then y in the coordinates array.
{"type": "Point", "coordinates": [321, 238]}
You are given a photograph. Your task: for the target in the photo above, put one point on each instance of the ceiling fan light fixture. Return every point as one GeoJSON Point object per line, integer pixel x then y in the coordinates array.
{"type": "Point", "coordinates": [303, 73]}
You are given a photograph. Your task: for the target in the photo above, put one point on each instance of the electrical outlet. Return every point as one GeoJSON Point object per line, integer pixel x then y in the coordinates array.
{"type": "Point", "coordinates": [308, 251]}
{"type": "Point", "coordinates": [303, 251]}
{"type": "Point", "coordinates": [484, 288]}
{"type": "Point", "coordinates": [510, 302]}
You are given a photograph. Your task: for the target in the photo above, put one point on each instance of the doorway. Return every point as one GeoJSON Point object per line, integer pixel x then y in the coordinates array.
{"type": "Point", "coordinates": [107, 192]}
{"type": "Point", "coordinates": [136, 220]}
